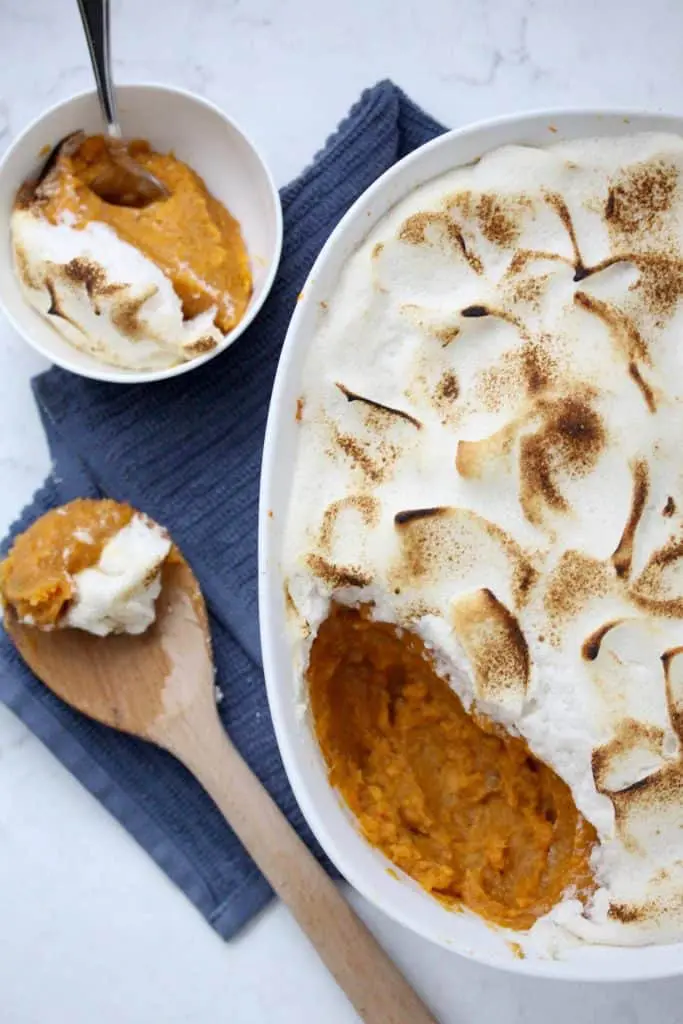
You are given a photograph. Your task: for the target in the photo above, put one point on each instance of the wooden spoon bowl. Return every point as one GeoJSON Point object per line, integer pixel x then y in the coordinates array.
{"type": "Point", "coordinates": [138, 684]}
{"type": "Point", "coordinates": [160, 686]}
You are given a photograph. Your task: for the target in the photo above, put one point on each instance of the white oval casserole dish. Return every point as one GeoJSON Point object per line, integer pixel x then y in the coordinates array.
{"type": "Point", "coordinates": [365, 868]}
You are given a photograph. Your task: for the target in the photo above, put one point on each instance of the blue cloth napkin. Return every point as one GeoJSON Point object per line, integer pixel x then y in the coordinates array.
{"type": "Point", "coordinates": [188, 451]}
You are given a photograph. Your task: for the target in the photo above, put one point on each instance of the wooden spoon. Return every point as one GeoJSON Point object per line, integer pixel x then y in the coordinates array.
{"type": "Point", "coordinates": [160, 686]}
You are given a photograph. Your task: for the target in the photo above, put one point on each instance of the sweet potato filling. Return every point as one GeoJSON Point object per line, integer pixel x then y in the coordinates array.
{"type": "Point", "coordinates": [452, 799]}
{"type": "Point", "coordinates": [36, 578]}
{"type": "Point", "coordinates": [190, 235]}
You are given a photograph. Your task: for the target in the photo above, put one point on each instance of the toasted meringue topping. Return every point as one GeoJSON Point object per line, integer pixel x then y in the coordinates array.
{"type": "Point", "coordinates": [490, 451]}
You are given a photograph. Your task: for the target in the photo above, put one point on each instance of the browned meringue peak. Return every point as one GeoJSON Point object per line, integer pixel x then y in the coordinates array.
{"type": "Point", "coordinates": [446, 394]}
{"type": "Point", "coordinates": [568, 442]}
{"type": "Point", "coordinates": [365, 506]}
{"type": "Point", "coordinates": [636, 725]}
{"type": "Point", "coordinates": [471, 222]}
{"type": "Point", "coordinates": [628, 342]}
{"type": "Point", "coordinates": [576, 580]}
{"type": "Point", "coordinates": [590, 648]}
{"type": "Point", "coordinates": [528, 291]}
{"type": "Point", "coordinates": [495, 648]}
{"type": "Point", "coordinates": [338, 576]}
{"type": "Point", "coordinates": [648, 824]}
{"type": "Point", "coordinates": [498, 217]}
{"type": "Point", "coordinates": [534, 366]}
{"type": "Point", "coordinates": [438, 545]}
{"type": "Point", "coordinates": [635, 215]}
{"type": "Point", "coordinates": [369, 435]}
{"type": "Point", "coordinates": [659, 587]}
{"type": "Point", "coordinates": [638, 198]}
{"type": "Point", "coordinates": [433, 379]}
{"type": "Point", "coordinates": [559, 437]}
{"type": "Point", "coordinates": [623, 555]}
{"type": "Point", "coordinates": [641, 233]}
{"type": "Point", "coordinates": [378, 410]}
{"type": "Point", "coordinates": [340, 549]}
{"type": "Point", "coordinates": [433, 324]}
{"type": "Point", "coordinates": [655, 589]}
{"type": "Point", "coordinates": [634, 252]}
{"type": "Point", "coordinates": [486, 363]}
{"type": "Point", "coordinates": [489, 456]}
{"type": "Point", "coordinates": [635, 752]}
{"type": "Point", "coordinates": [438, 230]}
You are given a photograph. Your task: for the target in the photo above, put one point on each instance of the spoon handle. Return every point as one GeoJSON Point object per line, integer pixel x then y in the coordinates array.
{"type": "Point", "coordinates": [95, 16]}
{"type": "Point", "coordinates": [372, 982]}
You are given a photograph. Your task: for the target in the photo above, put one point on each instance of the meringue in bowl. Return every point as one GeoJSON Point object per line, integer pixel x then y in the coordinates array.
{"type": "Point", "coordinates": [207, 141]}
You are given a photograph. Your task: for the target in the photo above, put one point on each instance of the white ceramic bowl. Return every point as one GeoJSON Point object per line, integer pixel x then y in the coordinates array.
{"type": "Point", "coordinates": [364, 867]}
{"type": "Point", "coordinates": [201, 135]}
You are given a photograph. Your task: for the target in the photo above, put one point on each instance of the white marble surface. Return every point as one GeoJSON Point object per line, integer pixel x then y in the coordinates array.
{"type": "Point", "coordinates": [89, 928]}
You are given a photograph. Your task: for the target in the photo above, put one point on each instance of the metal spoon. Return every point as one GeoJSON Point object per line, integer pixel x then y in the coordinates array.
{"type": "Point", "coordinates": [124, 182]}
{"type": "Point", "coordinates": [160, 686]}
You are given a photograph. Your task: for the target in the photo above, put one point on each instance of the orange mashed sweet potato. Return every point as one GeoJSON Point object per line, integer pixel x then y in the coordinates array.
{"type": "Point", "coordinates": [36, 576]}
{"type": "Point", "coordinates": [452, 799]}
{"type": "Point", "coordinates": [190, 235]}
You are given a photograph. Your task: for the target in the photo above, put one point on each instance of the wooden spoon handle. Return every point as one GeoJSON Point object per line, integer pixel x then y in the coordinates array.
{"type": "Point", "coordinates": [374, 985]}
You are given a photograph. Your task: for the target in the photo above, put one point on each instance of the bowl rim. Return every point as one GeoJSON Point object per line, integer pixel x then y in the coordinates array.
{"type": "Point", "coordinates": [270, 576]}
{"type": "Point", "coordinates": [116, 375]}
